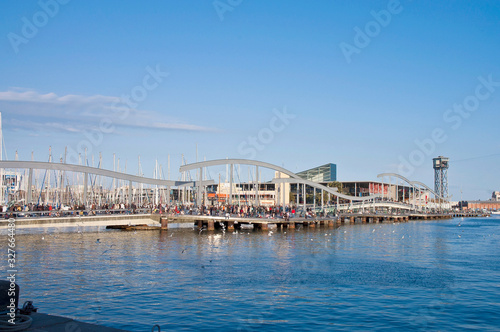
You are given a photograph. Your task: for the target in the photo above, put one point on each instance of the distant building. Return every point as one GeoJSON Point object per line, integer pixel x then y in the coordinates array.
{"type": "Point", "coordinates": [482, 205]}
{"type": "Point", "coordinates": [10, 186]}
{"type": "Point", "coordinates": [491, 205]}
{"type": "Point", "coordinates": [320, 174]}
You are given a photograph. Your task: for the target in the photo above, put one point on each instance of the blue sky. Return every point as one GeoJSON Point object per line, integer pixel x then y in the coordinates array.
{"type": "Point", "coordinates": [224, 69]}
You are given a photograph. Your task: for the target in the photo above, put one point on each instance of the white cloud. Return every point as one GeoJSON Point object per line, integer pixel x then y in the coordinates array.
{"type": "Point", "coordinates": [45, 126]}
{"type": "Point", "coordinates": [32, 96]}
{"type": "Point", "coordinates": [75, 113]}
{"type": "Point", "coordinates": [175, 126]}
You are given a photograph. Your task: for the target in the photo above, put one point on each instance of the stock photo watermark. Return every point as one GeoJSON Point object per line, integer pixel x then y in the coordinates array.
{"type": "Point", "coordinates": [11, 271]}
{"type": "Point", "coordinates": [454, 117]}
{"type": "Point", "coordinates": [31, 26]}
{"type": "Point", "coordinates": [121, 109]}
{"type": "Point", "coordinates": [223, 6]}
{"type": "Point", "coordinates": [427, 316]}
{"type": "Point", "coordinates": [364, 36]}
{"type": "Point", "coordinates": [253, 144]}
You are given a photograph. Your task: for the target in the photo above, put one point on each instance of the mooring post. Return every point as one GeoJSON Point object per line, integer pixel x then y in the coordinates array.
{"type": "Point", "coordinates": [210, 225]}
{"type": "Point", "coordinates": [164, 222]}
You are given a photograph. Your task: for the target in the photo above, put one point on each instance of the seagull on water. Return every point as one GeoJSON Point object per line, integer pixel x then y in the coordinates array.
{"type": "Point", "coordinates": [111, 246]}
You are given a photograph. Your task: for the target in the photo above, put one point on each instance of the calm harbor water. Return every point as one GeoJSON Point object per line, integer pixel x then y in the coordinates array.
{"type": "Point", "coordinates": [433, 275]}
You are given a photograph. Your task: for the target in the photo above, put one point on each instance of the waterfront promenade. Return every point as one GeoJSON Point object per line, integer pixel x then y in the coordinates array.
{"type": "Point", "coordinates": [427, 275]}
{"type": "Point", "coordinates": [143, 220]}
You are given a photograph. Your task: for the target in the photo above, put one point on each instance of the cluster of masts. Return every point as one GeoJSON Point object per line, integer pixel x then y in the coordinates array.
{"type": "Point", "coordinates": [60, 187]}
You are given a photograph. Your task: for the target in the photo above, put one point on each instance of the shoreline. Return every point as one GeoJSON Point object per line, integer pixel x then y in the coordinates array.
{"type": "Point", "coordinates": [99, 223]}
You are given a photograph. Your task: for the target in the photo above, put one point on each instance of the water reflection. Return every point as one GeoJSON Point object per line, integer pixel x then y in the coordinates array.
{"type": "Point", "coordinates": [417, 275]}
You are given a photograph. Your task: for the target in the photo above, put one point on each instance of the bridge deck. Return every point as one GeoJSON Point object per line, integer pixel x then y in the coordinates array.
{"type": "Point", "coordinates": [230, 223]}
{"type": "Point", "coordinates": [156, 221]}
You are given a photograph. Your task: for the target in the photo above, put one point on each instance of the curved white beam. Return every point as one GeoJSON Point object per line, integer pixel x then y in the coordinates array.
{"type": "Point", "coordinates": [413, 183]}
{"type": "Point", "coordinates": [395, 175]}
{"type": "Point", "coordinates": [333, 191]}
{"type": "Point", "coordinates": [429, 189]}
{"type": "Point", "coordinates": [377, 204]}
{"type": "Point", "coordinates": [216, 162]}
{"type": "Point", "coordinates": [96, 171]}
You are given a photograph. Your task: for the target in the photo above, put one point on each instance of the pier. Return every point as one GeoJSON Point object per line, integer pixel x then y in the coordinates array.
{"type": "Point", "coordinates": [232, 223]}
{"type": "Point", "coordinates": [34, 184]}
{"type": "Point", "coordinates": [60, 194]}
{"type": "Point", "coordinates": [155, 221]}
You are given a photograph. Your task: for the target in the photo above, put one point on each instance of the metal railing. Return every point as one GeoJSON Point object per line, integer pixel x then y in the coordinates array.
{"type": "Point", "coordinates": [71, 213]}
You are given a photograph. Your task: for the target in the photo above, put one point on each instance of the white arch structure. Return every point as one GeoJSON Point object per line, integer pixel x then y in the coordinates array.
{"type": "Point", "coordinates": [294, 178]}
{"type": "Point", "coordinates": [86, 170]}
{"type": "Point", "coordinates": [414, 184]}
{"type": "Point", "coordinates": [333, 191]}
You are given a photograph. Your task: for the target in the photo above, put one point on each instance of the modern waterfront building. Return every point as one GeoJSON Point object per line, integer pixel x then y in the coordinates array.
{"type": "Point", "coordinates": [390, 191]}
{"type": "Point", "coordinates": [367, 188]}
{"type": "Point", "coordinates": [249, 193]}
{"type": "Point", "coordinates": [321, 174]}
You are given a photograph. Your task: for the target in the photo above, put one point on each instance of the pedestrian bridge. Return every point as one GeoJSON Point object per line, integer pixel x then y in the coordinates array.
{"type": "Point", "coordinates": [370, 205]}
{"type": "Point", "coordinates": [198, 184]}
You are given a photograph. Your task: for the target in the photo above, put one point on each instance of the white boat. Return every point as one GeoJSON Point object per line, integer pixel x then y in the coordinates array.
{"type": "Point", "coordinates": [496, 213]}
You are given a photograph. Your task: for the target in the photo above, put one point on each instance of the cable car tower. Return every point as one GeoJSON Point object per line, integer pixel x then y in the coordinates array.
{"type": "Point", "coordinates": [441, 165]}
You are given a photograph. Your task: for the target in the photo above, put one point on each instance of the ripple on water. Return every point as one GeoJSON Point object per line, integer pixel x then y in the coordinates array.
{"type": "Point", "coordinates": [411, 276]}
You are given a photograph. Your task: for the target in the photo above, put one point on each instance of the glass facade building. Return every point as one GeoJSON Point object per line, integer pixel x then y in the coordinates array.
{"type": "Point", "coordinates": [325, 173]}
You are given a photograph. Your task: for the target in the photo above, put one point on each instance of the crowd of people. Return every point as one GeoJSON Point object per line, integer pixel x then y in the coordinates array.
{"type": "Point", "coordinates": [223, 210]}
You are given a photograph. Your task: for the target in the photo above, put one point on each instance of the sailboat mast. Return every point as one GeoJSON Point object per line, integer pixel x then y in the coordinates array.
{"type": "Point", "coordinates": [48, 177]}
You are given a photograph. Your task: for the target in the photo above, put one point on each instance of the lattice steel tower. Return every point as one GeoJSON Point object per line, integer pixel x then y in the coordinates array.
{"type": "Point", "coordinates": [441, 175]}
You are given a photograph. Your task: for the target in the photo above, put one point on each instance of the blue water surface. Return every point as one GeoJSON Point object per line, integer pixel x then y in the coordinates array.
{"type": "Point", "coordinates": [421, 275]}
